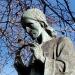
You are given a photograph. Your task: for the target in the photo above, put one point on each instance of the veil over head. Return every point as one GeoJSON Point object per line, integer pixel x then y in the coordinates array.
{"type": "Point", "coordinates": [37, 15]}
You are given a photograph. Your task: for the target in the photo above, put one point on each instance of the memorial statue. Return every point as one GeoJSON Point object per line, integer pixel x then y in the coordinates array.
{"type": "Point", "coordinates": [55, 56]}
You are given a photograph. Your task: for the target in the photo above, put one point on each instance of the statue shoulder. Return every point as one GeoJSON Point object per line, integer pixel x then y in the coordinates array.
{"type": "Point", "coordinates": [49, 46]}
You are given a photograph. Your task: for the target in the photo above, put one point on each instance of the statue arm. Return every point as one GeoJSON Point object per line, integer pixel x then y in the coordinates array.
{"type": "Point", "coordinates": [38, 53]}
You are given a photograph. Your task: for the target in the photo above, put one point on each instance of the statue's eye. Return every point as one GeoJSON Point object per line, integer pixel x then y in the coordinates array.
{"type": "Point", "coordinates": [29, 25]}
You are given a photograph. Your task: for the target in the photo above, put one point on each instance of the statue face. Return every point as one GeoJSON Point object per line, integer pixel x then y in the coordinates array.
{"type": "Point", "coordinates": [33, 28]}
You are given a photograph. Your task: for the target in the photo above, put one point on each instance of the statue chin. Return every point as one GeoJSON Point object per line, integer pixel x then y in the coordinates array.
{"type": "Point", "coordinates": [33, 36]}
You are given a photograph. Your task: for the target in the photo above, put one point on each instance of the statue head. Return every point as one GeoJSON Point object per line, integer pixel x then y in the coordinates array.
{"type": "Point", "coordinates": [34, 22]}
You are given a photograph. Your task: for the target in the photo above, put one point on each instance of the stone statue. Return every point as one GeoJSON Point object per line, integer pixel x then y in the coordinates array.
{"type": "Point", "coordinates": [56, 55]}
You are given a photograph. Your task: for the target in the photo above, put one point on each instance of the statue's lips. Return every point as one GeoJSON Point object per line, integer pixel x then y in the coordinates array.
{"type": "Point", "coordinates": [32, 33]}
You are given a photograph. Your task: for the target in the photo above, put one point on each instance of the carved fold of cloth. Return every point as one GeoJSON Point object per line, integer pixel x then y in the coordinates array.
{"type": "Point", "coordinates": [60, 57]}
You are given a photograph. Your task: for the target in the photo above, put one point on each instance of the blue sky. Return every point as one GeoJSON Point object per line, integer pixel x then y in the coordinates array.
{"type": "Point", "coordinates": [8, 69]}
{"type": "Point", "coordinates": [72, 5]}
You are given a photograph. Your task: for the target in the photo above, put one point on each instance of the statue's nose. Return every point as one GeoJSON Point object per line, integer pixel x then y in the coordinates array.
{"type": "Point", "coordinates": [28, 29]}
